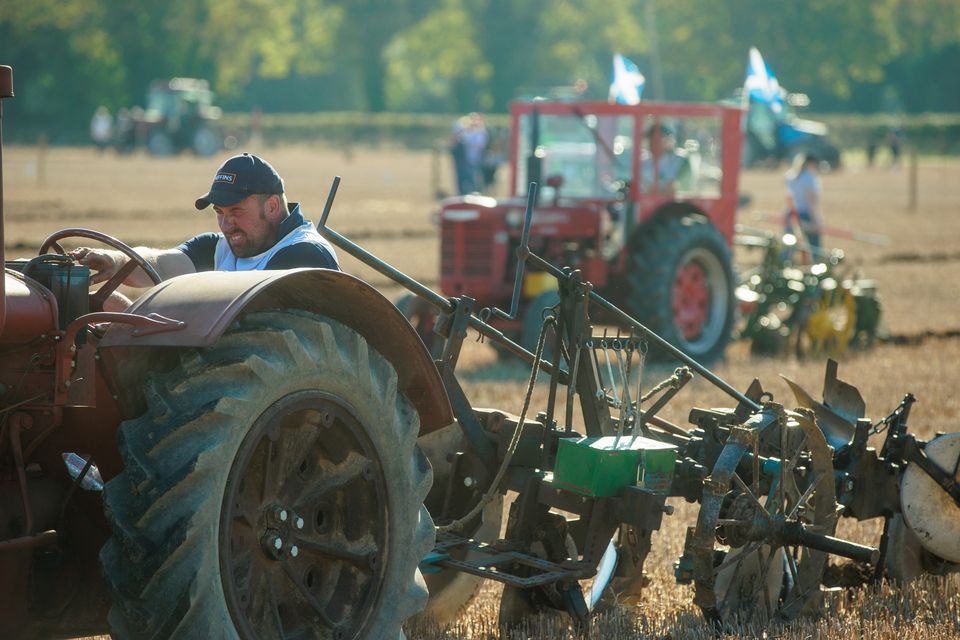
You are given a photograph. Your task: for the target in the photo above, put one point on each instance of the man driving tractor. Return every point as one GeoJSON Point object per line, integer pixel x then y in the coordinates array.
{"type": "Point", "coordinates": [259, 230]}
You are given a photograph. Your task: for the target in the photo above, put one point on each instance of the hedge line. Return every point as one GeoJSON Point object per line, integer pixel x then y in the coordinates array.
{"type": "Point", "coordinates": [930, 132]}
{"type": "Point", "coordinates": [341, 128]}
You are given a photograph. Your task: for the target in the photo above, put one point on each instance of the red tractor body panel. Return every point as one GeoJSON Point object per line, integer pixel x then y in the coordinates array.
{"type": "Point", "coordinates": [31, 310]}
{"type": "Point", "coordinates": [478, 235]}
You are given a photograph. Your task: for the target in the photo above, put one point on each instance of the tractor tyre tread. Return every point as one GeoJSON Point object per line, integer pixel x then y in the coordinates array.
{"type": "Point", "coordinates": [655, 257]}
{"type": "Point", "coordinates": [165, 507]}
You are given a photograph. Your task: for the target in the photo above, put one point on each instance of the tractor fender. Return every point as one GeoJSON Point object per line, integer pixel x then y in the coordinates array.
{"type": "Point", "coordinates": [208, 303]}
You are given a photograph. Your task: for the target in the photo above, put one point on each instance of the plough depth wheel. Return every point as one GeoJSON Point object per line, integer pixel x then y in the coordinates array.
{"type": "Point", "coordinates": [769, 487]}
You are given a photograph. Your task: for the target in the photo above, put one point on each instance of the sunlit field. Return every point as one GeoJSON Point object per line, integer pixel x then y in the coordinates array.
{"type": "Point", "coordinates": [385, 204]}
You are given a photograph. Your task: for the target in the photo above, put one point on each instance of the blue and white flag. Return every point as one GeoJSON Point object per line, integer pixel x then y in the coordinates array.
{"type": "Point", "coordinates": [627, 82]}
{"type": "Point", "coordinates": [761, 85]}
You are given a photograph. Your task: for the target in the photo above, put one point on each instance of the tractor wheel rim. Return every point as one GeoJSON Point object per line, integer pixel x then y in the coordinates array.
{"type": "Point", "coordinates": [700, 289]}
{"type": "Point", "coordinates": [691, 299]}
{"type": "Point", "coordinates": [303, 532]}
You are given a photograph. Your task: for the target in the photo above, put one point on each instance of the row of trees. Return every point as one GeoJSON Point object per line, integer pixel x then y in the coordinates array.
{"type": "Point", "coordinates": [459, 55]}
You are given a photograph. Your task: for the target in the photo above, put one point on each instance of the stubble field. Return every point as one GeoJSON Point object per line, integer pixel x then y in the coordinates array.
{"type": "Point", "coordinates": [384, 204]}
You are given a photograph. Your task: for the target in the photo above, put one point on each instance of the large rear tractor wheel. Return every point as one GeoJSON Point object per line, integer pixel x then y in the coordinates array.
{"type": "Point", "coordinates": [681, 285]}
{"type": "Point", "coordinates": [273, 488]}
{"type": "Point", "coordinates": [160, 144]}
{"type": "Point", "coordinates": [206, 142]}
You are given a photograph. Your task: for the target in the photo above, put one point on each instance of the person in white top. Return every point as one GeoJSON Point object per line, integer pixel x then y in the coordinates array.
{"type": "Point", "coordinates": [101, 128]}
{"type": "Point", "coordinates": [804, 189]}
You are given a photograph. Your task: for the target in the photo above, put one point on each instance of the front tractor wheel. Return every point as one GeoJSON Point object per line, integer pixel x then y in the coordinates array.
{"type": "Point", "coordinates": [272, 489]}
{"type": "Point", "coordinates": [681, 285]}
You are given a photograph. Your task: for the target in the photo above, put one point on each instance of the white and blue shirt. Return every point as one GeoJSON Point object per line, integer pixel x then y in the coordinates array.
{"type": "Point", "coordinates": [300, 245]}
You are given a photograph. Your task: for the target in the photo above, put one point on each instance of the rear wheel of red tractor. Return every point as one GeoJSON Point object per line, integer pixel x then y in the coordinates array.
{"type": "Point", "coordinates": [681, 285]}
{"type": "Point", "coordinates": [272, 489]}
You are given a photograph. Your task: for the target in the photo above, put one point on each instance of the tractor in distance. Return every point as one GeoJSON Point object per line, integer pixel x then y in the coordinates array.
{"type": "Point", "coordinates": [180, 116]}
{"type": "Point", "coordinates": [777, 134]}
{"type": "Point", "coordinates": [641, 198]}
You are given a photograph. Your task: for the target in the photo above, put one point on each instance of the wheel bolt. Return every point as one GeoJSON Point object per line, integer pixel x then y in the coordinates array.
{"type": "Point", "coordinates": [272, 544]}
{"type": "Point", "coordinates": [277, 515]}
{"type": "Point", "coordinates": [294, 551]}
{"type": "Point", "coordinates": [298, 523]}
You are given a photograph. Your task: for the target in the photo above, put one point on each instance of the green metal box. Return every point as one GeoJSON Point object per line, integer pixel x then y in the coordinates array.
{"type": "Point", "coordinates": [605, 466]}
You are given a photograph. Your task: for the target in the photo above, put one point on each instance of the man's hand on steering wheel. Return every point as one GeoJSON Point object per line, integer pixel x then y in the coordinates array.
{"type": "Point", "coordinates": [104, 262]}
{"type": "Point", "coordinates": [113, 266]}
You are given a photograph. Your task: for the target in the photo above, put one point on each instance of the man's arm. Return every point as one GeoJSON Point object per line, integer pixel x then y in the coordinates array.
{"type": "Point", "coordinates": [106, 262]}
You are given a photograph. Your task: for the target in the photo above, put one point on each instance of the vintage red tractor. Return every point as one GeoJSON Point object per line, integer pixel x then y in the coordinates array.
{"type": "Point", "coordinates": [641, 198]}
{"type": "Point", "coordinates": [184, 469]}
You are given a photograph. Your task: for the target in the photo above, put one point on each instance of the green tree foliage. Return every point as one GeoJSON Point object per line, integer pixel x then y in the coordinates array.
{"type": "Point", "coordinates": [481, 54]}
{"type": "Point", "coordinates": [62, 53]}
{"type": "Point", "coordinates": [245, 39]}
{"type": "Point", "coordinates": [436, 63]}
{"type": "Point", "coordinates": [816, 45]}
{"type": "Point", "coordinates": [368, 30]}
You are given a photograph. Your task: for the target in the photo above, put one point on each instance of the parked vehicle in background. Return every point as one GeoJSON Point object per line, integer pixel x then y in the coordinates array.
{"type": "Point", "coordinates": [179, 116]}
{"type": "Point", "coordinates": [775, 134]}
{"type": "Point", "coordinates": [641, 198]}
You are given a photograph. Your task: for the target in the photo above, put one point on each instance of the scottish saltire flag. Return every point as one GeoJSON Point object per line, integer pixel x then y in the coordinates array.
{"type": "Point", "coordinates": [627, 82]}
{"type": "Point", "coordinates": [761, 85]}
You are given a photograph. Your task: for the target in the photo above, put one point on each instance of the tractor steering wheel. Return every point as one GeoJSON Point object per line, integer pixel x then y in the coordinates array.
{"type": "Point", "coordinates": [136, 260]}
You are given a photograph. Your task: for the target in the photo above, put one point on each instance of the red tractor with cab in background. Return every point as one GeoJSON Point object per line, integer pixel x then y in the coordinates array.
{"type": "Point", "coordinates": [641, 198]}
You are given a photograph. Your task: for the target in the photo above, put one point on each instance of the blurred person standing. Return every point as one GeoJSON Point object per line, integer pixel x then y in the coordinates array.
{"type": "Point", "coordinates": [475, 141]}
{"type": "Point", "coordinates": [804, 197]}
{"type": "Point", "coordinates": [101, 128]}
{"type": "Point", "coordinates": [458, 149]}
{"type": "Point", "coordinates": [125, 135]}
{"type": "Point", "coordinates": [895, 141]}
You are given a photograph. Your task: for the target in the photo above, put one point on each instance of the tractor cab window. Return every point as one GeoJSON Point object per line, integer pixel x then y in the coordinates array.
{"type": "Point", "coordinates": [681, 156]}
{"type": "Point", "coordinates": [579, 155]}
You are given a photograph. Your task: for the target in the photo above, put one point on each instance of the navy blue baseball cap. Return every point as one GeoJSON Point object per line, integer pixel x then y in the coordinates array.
{"type": "Point", "coordinates": [239, 177]}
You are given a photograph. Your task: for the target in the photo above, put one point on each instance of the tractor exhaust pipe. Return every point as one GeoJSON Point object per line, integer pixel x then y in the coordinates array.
{"type": "Point", "coordinates": [6, 91]}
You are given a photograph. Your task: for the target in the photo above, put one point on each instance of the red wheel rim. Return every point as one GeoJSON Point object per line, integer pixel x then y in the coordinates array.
{"type": "Point", "coordinates": [691, 300]}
